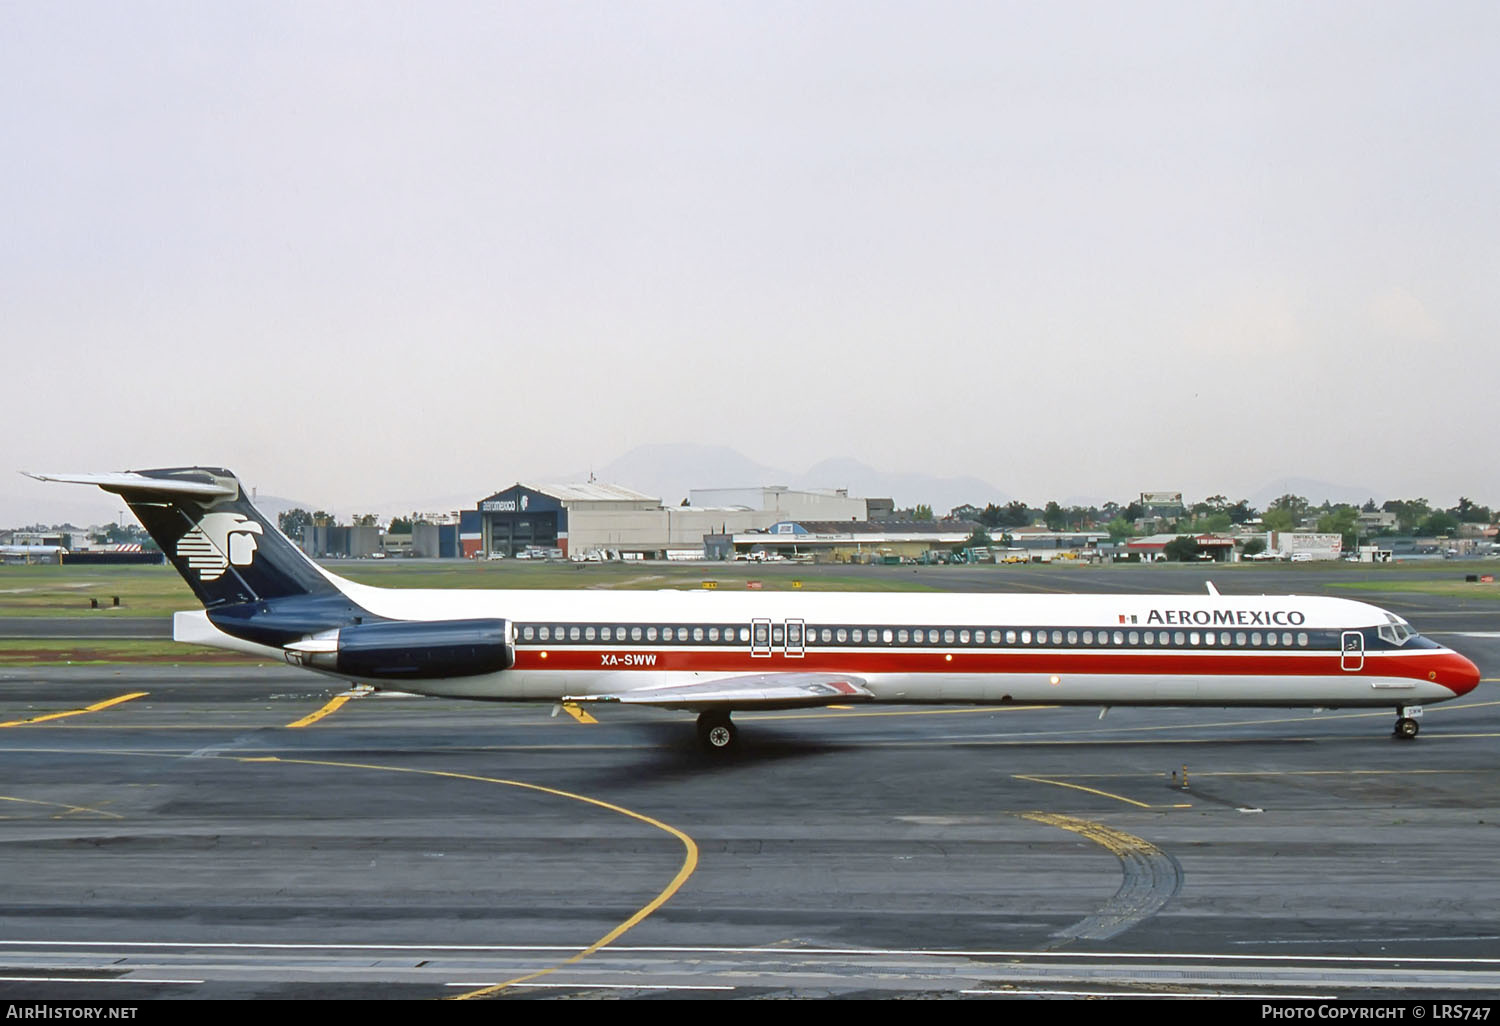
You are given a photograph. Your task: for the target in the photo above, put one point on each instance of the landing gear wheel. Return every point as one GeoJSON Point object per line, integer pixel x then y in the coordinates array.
{"type": "Point", "coordinates": [715, 732]}
{"type": "Point", "coordinates": [1407, 728]}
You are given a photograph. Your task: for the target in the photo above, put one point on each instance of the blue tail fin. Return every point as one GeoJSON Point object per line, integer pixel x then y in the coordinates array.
{"type": "Point", "coordinates": [221, 544]}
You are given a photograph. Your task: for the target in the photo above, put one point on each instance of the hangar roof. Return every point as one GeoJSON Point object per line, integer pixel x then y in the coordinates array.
{"type": "Point", "coordinates": [592, 491]}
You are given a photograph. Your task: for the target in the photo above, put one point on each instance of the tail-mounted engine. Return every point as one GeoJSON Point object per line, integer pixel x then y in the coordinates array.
{"type": "Point", "coordinates": [408, 649]}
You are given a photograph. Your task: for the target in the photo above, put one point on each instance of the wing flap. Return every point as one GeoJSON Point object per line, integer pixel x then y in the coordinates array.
{"type": "Point", "coordinates": [749, 691]}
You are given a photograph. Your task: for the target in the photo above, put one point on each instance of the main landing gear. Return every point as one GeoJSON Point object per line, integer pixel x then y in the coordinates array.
{"type": "Point", "coordinates": [715, 731]}
{"type": "Point", "coordinates": [1408, 722]}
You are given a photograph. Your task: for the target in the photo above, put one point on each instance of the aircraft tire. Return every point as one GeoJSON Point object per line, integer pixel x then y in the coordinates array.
{"type": "Point", "coordinates": [716, 732]}
{"type": "Point", "coordinates": [1407, 728]}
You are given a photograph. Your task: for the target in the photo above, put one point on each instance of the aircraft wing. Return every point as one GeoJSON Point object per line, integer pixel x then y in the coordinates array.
{"type": "Point", "coordinates": [747, 691]}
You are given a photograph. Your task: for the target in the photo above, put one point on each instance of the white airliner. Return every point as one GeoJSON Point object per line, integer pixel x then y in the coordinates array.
{"type": "Point", "coordinates": [713, 653]}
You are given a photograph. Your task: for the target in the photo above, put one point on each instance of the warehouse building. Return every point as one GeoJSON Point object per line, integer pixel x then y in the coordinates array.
{"type": "Point", "coordinates": [838, 541]}
{"type": "Point", "coordinates": [574, 520]}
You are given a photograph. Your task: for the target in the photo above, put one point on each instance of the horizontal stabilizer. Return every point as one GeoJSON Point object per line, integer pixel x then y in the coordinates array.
{"type": "Point", "coordinates": [750, 691]}
{"type": "Point", "coordinates": [130, 481]}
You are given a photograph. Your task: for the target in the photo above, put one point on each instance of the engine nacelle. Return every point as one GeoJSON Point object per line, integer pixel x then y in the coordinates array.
{"type": "Point", "coordinates": [409, 649]}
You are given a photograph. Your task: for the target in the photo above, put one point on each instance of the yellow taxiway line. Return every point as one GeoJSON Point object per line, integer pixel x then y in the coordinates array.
{"type": "Point", "coordinates": [60, 805]}
{"type": "Point", "coordinates": [1117, 841]}
{"type": "Point", "coordinates": [314, 717]}
{"type": "Point", "coordinates": [1102, 794]}
{"type": "Point", "coordinates": [77, 712]}
{"type": "Point", "coordinates": [689, 862]}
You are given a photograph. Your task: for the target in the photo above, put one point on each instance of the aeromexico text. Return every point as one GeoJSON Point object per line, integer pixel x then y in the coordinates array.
{"type": "Point", "coordinates": [1224, 617]}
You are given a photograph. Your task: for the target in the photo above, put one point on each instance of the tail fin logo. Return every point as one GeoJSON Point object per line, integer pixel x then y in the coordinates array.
{"type": "Point", "coordinates": [219, 541]}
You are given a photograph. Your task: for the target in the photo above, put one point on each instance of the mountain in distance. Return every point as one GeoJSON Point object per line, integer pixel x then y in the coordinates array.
{"type": "Point", "coordinates": [670, 471]}
{"type": "Point", "coordinates": [906, 489]}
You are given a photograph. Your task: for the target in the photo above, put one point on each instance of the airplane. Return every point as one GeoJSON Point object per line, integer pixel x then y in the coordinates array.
{"type": "Point", "coordinates": [33, 551]}
{"type": "Point", "coordinates": [714, 654]}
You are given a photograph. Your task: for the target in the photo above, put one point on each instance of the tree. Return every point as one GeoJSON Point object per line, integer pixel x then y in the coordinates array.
{"type": "Point", "coordinates": [1296, 505]}
{"type": "Point", "coordinates": [980, 539]}
{"type": "Point", "coordinates": [1182, 549]}
{"type": "Point", "coordinates": [1344, 521]}
{"type": "Point", "coordinates": [1439, 523]}
{"type": "Point", "coordinates": [1215, 522]}
{"type": "Point", "coordinates": [1017, 514]}
{"type": "Point", "coordinates": [399, 525]}
{"type": "Point", "coordinates": [922, 512]}
{"type": "Point", "coordinates": [1119, 528]}
{"type": "Point", "coordinates": [293, 521]}
{"type": "Point", "coordinates": [1466, 512]}
{"type": "Point", "coordinates": [1409, 513]}
{"type": "Point", "coordinates": [1278, 520]}
{"type": "Point", "coordinates": [1053, 516]}
{"type": "Point", "coordinates": [1254, 546]}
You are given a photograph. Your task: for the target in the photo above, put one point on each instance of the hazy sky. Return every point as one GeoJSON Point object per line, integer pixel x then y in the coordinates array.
{"type": "Point", "coordinates": [367, 249]}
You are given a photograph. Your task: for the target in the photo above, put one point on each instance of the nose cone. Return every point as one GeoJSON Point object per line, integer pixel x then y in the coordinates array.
{"type": "Point", "coordinates": [1456, 673]}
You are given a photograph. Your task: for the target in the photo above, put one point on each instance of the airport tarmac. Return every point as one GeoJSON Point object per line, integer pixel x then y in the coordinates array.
{"type": "Point", "coordinates": [169, 832]}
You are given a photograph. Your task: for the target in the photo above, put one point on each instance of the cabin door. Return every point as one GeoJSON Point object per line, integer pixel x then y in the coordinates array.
{"type": "Point", "coordinates": [1352, 651]}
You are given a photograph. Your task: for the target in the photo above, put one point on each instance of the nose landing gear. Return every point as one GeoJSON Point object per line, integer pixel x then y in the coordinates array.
{"type": "Point", "coordinates": [1408, 722]}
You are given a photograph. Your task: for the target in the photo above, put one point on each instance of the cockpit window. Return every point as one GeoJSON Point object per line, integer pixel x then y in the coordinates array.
{"type": "Point", "coordinates": [1397, 632]}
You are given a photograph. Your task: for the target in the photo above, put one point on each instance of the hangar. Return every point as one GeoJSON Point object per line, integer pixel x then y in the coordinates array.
{"type": "Point", "coordinates": [577, 519]}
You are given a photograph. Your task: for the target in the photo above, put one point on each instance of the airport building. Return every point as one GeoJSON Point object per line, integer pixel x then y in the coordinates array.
{"type": "Point", "coordinates": [574, 520]}
{"type": "Point", "coordinates": [1219, 548]}
{"type": "Point", "coordinates": [839, 541]}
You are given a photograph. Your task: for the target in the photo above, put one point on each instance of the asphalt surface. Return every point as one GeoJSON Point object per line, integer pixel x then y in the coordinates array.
{"type": "Point", "coordinates": [189, 843]}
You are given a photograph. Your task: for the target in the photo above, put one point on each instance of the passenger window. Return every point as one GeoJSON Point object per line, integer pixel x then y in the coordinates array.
{"type": "Point", "coordinates": [1135, 637]}
{"type": "Point", "coordinates": [1010, 637]}
{"type": "Point", "coordinates": [573, 633]}
{"type": "Point", "coordinates": [901, 636]}
{"type": "Point", "coordinates": [841, 635]}
{"type": "Point", "coordinates": [1057, 637]}
{"type": "Point", "coordinates": [963, 637]}
{"type": "Point", "coordinates": [588, 634]}
{"type": "Point", "coordinates": [527, 633]}
{"type": "Point", "coordinates": [856, 635]}
{"type": "Point", "coordinates": [635, 634]}
{"type": "Point", "coordinates": [1178, 639]}
{"type": "Point", "coordinates": [887, 637]}
{"type": "Point", "coordinates": [1118, 638]}
{"type": "Point", "coordinates": [650, 633]}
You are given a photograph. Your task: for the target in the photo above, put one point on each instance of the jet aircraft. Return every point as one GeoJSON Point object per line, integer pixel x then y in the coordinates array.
{"type": "Point", "coordinates": [713, 653]}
